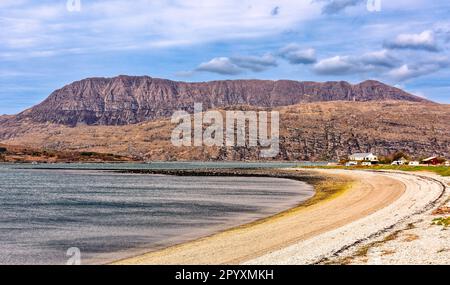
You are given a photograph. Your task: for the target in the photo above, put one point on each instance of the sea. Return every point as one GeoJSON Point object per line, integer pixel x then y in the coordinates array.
{"type": "Point", "coordinates": [51, 213]}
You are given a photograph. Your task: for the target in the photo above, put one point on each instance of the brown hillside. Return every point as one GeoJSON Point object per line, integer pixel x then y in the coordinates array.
{"type": "Point", "coordinates": [309, 131]}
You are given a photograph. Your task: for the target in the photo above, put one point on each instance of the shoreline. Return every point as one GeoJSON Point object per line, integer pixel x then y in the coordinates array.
{"type": "Point", "coordinates": [243, 243]}
{"type": "Point", "coordinates": [321, 192]}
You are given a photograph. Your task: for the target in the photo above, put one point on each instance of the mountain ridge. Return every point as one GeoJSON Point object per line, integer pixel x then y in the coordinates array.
{"type": "Point", "coordinates": [124, 99]}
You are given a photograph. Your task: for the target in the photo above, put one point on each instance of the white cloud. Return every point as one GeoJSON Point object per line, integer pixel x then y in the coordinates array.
{"type": "Point", "coordinates": [420, 68]}
{"type": "Point", "coordinates": [405, 72]}
{"type": "Point", "coordinates": [368, 62]}
{"type": "Point", "coordinates": [295, 54]}
{"type": "Point", "coordinates": [405, 5]}
{"type": "Point", "coordinates": [380, 58]}
{"type": "Point", "coordinates": [220, 65]}
{"type": "Point", "coordinates": [234, 65]}
{"type": "Point", "coordinates": [255, 63]}
{"type": "Point", "coordinates": [381, 63]}
{"type": "Point", "coordinates": [334, 65]}
{"type": "Point", "coordinates": [142, 24]}
{"type": "Point", "coordinates": [422, 41]}
{"type": "Point", "coordinates": [11, 3]}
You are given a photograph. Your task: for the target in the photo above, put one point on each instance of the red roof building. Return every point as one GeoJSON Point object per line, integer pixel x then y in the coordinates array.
{"type": "Point", "coordinates": [431, 160]}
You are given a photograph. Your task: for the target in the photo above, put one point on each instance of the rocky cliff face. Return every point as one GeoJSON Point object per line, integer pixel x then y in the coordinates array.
{"type": "Point", "coordinates": [309, 131]}
{"type": "Point", "coordinates": [128, 100]}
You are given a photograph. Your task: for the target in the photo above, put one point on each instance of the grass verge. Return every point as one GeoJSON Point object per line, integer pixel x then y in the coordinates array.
{"type": "Point", "coordinates": [441, 170]}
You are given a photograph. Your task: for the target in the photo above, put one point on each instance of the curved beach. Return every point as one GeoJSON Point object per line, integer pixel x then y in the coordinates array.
{"type": "Point", "coordinates": [306, 235]}
{"type": "Point", "coordinates": [422, 193]}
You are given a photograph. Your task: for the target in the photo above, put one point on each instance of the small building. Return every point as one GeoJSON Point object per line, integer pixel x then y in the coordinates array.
{"type": "Point", "coordinates": [401, 161]}
{"type": "Point", "coordinates": [433, 160]}
{"type": "Point", "coordinates": [414, 163]}
{"type": "Point", "coordinates": [360, 157]}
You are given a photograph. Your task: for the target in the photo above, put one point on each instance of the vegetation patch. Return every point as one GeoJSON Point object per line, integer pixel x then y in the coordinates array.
{"type": "Point", "coordinates": [441, 170]}
{"type": "Point", "coordinates": [445, 222]}
{"type": "Point", "coordinates": [388, 252]}
{"type": "Point", "coordinates": [390, 237]}
{"type": "Point", "coordinates": [442, 211]}
{"type": "Point", "coordinates": [364, 250]}
{"type": "Point", "coordinates": [443, 250]}
{"type": "Point", "coordinates": [326, 188]}
{"type": "Point", "coordinates": [329, 188]}
{"type": "Point", "coordinates": [411, 237]}
{"type": "Point", "coordinates": [410, 226]}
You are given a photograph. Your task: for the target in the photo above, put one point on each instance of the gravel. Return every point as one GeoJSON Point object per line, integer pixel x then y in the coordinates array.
{"type": "Point", "coordinates": [384, 237]}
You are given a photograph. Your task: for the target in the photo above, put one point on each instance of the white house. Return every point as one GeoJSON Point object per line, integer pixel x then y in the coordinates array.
{"type": "Point", "coordinates": [401, 161]}
{"type": "Point", "coordinates": [363, 157]}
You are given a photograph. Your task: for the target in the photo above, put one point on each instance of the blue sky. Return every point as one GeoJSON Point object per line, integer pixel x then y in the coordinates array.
{"type": "Point", "coordinates": [47, 44]}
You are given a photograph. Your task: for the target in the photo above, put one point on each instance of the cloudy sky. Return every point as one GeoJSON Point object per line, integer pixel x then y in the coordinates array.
{"type": "Point", "coordinates": [49, 43]}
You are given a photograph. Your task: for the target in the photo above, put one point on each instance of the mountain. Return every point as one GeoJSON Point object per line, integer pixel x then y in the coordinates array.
{"type": "Point", "coordinates": [308, 131]}
{"type": "Point", "coordinates": [126, 100]}
{"type": "Point", "coordinates": [130, 116]}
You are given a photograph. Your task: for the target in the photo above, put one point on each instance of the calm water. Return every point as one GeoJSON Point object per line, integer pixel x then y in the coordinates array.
{"type": "Point", "coordinates": [110, 216]}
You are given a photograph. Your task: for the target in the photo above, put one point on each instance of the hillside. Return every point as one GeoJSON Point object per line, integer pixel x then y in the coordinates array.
{"type": "Point", "coordinates": [309, 131]}
{"type": "Point", "coordinates": [14, 153]}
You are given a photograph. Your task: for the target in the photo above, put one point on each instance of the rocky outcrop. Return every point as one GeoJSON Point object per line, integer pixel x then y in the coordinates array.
{"type": "Point", "coordinates": [132, 99]}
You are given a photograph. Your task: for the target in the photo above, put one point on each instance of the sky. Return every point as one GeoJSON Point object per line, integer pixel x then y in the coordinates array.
{"type": "Point", "coordinates": [47, 44]}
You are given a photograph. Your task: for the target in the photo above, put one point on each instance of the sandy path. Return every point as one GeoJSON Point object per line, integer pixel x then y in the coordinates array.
{"type": "Point", "coordinates": [371, 193]}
